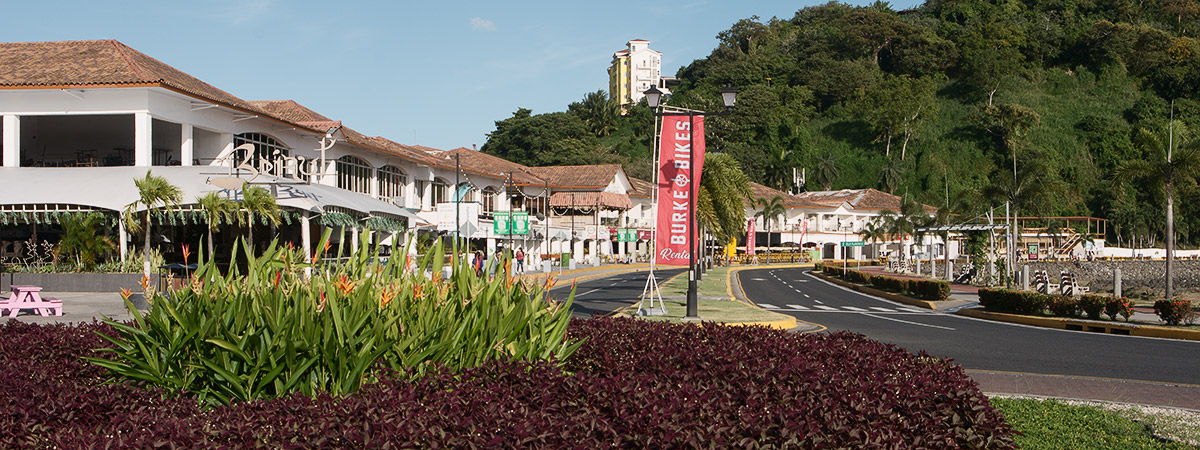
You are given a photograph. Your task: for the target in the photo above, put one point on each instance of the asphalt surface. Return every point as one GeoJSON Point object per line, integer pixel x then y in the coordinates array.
{"type": "Point", "coordinates": [603, 296]}
{"type": "Point", "coordinates": [1024, 357]}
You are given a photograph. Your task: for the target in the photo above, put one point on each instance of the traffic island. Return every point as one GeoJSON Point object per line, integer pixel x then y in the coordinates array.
{"type": "Point", "coordinates": [1094, 326]}
{"type": "Point", "coordinates": [898, 298]}
{"type": "Point", "coordinates": [717, 303]}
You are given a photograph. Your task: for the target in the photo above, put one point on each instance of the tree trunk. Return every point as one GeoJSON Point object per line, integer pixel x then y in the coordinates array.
{"type": "Point", "coordinates": [146, 247]}
{"type": "Point", "coordinates": [768, 223]}
{"type": "Point", "coordinates": [904, 147]}
{"type": "Point", "coordinates": [1170, 240]}
{"type": "Point", "coordinates": [991, 93]}
{"type": "Point", "coordinates": [210, 244]}
{"type": "Point", "coordinates": [887, 149]}
{"type": "Point", "coordinates": [250, 230]}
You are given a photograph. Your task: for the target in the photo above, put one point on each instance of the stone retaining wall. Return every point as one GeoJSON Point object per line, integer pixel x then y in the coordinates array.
{"type": "Point", "coordinates": [1135, 275]}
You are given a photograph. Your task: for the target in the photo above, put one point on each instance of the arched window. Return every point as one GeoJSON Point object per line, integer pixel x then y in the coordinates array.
{"type": "Point", "coordinates": [354, 174]}
{"type": "Point", "coordinates": [489, 200]}
{"type": "Point", "coordinates": [265, 148]}
{"type": "Point", "coordinates": [441, 190]}
{"type": "Point", "coordinates": [391, 182]}
{"type": "Point", "coordinates": [469, 193]}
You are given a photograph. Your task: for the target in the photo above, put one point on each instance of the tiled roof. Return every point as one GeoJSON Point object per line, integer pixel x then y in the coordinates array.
{"type": "Point", "coordinates": [584, 176]}
{"type": "Point", "coordinates": [641, 188]}
{"type": "Point", "coordinates": [758, 191]}
{"type": "Point", "coordinates": [590, 198]}
{"type": "Point", "coordinates": [472, 161]}
{"type": "Point", "coordinates": [290, 111]}
{"type": "Point", "coordinates": [858, 198]}
{"type": "Point", "coordinates": [104, 63]}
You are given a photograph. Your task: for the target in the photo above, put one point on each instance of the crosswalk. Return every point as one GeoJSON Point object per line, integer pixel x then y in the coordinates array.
{"type": "Point", "coordinates": [827, 308]}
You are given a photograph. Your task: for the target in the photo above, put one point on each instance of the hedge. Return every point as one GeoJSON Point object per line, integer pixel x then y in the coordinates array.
{"type": "Point", "coordinates": [926, 289]}
{"type": "Point", "coordinates": [1036, 303]}
{"type": "Point", "coordinates": [631, 384]}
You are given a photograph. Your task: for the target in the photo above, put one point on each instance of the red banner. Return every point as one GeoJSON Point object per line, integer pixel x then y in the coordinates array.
{"type": "Point", "coordinates": [750, 238]}
{"type": "Point", "coordinates": [680, 163]}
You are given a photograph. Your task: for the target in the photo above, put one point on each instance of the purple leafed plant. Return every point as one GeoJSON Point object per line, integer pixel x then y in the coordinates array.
{"type": "Point", "coordinates": [631, 384]}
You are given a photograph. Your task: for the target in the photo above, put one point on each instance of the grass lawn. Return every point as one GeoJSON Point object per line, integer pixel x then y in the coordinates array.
{"type": "Point", "coordinates": [711, 285]}
{"type": "Point", "coordinates": [1052, 424]}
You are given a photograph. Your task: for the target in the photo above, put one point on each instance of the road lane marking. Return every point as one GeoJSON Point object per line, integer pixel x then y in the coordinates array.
{"type": "Point", "coordinates": [758, 279]}
{"type": "Point", "coordinates": [797, 306]}
{"type": "Point", "coordinates": [911, 310]}
{"type": "Point", "coordinates": [854, 308]}
{"type": "Point", "coordinates": [818, 301]}
{"type": "Point", "coordinates": [827, 308]}
{"type": "Point", "coordinates": [768, 306]}
{"type": "Point", "coordinates": [880, 308]}
{"type": "Point", "coordinates": [586, 293]}
{"type": "Point", "coordinates": [911, 323]}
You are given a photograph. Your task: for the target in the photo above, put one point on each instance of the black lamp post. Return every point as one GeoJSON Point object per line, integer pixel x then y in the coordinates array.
{"type": "Point", "coordinates": [653, 98]}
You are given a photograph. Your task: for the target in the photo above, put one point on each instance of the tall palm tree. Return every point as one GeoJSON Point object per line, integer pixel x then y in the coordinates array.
{"type": "Point", "coordinates": [873, 232]}
{"type": "Point", "coordinates": [771, 210]}
{"type": "Point", "coordinates": [1170, 169]}
{"type": "Point", "coordinates": [258, 201]}
{"type": "Point", "coordinates": [1031, 189]}
{"type": "Point", "coordinates": [724, 191]}
{"type": "Point", "coordinates": [826, 171]}
{"type": "Point", "coordinates": [216, 209]}
{"type": "Point", "coordinates": [891, 175]}
{"type": "Point", "coordinates": [152, 190]}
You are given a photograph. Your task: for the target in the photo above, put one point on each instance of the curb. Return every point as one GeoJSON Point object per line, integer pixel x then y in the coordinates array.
{"type": "Point", "coordinates": [787, 323]}
{"type": "Point", "coordinates": [1096, 326]}
{"type": "Point", "coordinates": [927, 304]}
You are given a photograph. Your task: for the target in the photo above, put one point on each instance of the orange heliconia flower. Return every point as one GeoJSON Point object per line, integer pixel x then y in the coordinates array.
{"type": "Point", "coordinates": [145, 282]}
{"type": "Point", "coordinates": [344, 284]}
{"type": "Point", "coordinates": [187, 251]}
{"type": "Point", "coordinates": [550, 282]}
{"type": "Point", "coordinates": [387, 296]}
{"type": "Point", "coordinates": [417, 288]}
{"type": "Point", "coordinates": [321, 306]}
{"type": "Point", "coordinates": [125, 293]}
{"type": "Point", "coordinates": [437, 278]}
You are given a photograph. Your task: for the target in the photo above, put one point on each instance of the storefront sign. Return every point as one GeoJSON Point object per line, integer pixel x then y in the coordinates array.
{"type": "Point", "coordinates": [680, 163]}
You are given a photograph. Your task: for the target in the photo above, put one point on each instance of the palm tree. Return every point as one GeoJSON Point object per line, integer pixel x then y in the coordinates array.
{"type": "Point", "coordinates": [891, 175]}
{"type": "Point", "coordinates": [82, 240]}
{"type": "Point", "coordinates": [152, 191]}
{"type": "Point", "coordinates": [1053, 230]}
{"type": "Point", "coordinates": [826, 171]}
{"type": "Point", "coordinates": [1031, 188]}
{"type": "Point", "coordinates": [216, 209]}
{"type": "Point", "coordinates": [724, 190]}
{"type": "Point", "coordinates": [873, 232]}
{"type": "Point", "coordinates": [598, 112]}
{"type": "Point", "coordinates": [771, 210]}
{"type": "Point", "coordinates": [1169, 169]}
{"type": "Point", "coordinates": [257, 200]}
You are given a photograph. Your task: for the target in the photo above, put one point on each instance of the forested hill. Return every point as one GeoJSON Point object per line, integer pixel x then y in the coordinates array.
{"type": "Point", "coordinates": [935, 104]}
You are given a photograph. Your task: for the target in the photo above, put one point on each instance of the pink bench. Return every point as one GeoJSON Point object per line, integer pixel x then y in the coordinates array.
{"type": "Point", "coordinates": [30, 297]}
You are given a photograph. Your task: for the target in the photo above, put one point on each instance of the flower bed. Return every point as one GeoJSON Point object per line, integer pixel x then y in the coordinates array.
{"type": "Point", "coordinates": [631, 384]}
{"type": "Point", "coordinates": [1036, 303]}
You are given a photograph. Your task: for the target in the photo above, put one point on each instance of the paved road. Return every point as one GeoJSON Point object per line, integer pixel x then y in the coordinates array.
{"type": "Point", "coordinates": [604, 295]}
{"type": "Point", "coordinates": [976, 344]}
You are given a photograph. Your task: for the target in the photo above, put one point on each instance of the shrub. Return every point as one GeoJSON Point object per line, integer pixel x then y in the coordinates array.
{"type": "Point", "coordinates": [1092, 305]}
{"type": "Point", "coordinates": [272, 331]}
{"type": "Point", "coordinates": [890, 283]}
{"type": "Point", "coordinates": [1063, 306]}
{"type": "Point", "coordinates": [930, 289]}
{"type": "Point", "coordinates": [1118, 306]}
{"type": "Point", "coordinates": [1013, 301]}
{"type": "Point", "coordinates": [631, 384]}
{"type": "Point", "coordinates": [1175, 312]}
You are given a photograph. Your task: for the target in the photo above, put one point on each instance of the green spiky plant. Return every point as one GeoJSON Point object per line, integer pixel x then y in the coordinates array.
{"type": "Point", "coordinates": [272, 330]}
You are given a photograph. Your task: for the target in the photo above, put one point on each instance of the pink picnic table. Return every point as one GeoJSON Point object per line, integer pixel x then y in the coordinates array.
{"type": "Point", "coordinates": [29, 297]}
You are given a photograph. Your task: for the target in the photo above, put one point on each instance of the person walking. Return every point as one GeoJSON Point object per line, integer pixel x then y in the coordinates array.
{"type": "Point", "coordinates": [477, 263]}
{"type": "Point", "coordinates": [520, 261]}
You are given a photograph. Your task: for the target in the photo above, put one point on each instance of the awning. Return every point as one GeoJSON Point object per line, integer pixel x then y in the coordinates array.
{"type": "Point", "coordinates": [112, 188]}
{"type": "Point", "coordinates": [585, 199]}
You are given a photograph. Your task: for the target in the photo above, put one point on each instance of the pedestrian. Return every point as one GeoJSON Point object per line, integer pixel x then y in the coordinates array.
{"type": "Point", "coordinates": [477, 263]}
{"type": "Point", "coordinates": [520, 261]}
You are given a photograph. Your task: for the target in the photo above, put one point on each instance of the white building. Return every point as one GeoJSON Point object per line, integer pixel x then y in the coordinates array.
{"type": "Point", "coordinates": [633, 71]}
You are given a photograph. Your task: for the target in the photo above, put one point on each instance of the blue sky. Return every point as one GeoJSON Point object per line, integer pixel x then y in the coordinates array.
{"type": "Point", "coordinates": [431, 73]}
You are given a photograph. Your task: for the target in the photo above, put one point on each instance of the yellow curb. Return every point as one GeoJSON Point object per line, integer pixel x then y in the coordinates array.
{"type": "Point", "coordinates": [1096, 326]}
{"type": "Point", "coordinates": [789, 321]}
{"type": "Point", "coordinates": [881, 293]}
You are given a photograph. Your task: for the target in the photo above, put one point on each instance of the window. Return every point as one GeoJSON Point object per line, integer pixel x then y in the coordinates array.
{"type": "Point", "coordinates": [441, 191]}
{"type": "Point", "coordinates": [419, 187]}
{"type": "Point", "coordinates": [354, 174]}
{"type": "Point", "coordinates": [391, 182]}
{"type": "Point", "coordinates": [489, 201]}
{"type": "Point", "coordinates": [266, 148]}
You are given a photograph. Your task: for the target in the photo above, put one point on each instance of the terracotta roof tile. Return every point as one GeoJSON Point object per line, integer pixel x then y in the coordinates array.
{"type": "Point", "coordinates": [641, 188]}
{"type": "Point", "coordinates": [472, 161]}
{"type": "Point", "coordinates": [290, 110]}
{"type": "Point", "coordinates": [101, 63]}
{"type": "Point", "coordinates": [758, 191]}
{"type": "Point", "coordinates": [596, 176]}
{"type": "Point", "coordinates": [858, 198]}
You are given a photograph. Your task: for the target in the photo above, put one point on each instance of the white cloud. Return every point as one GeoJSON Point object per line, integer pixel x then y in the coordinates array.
{"type": "Point", "coordinates": [481, 24]}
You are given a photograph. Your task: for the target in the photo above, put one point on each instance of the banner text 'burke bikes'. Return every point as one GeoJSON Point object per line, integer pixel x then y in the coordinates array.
{"type": "Point", "coordinates": [682, 147]}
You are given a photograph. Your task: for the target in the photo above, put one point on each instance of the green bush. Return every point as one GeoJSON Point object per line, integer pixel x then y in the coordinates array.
{"type": "Point", "coordinates": [1013, 301]}
{"type": "Point", "coordinates": [1092, 305]}
{"type": "Point", "coordinates": [1118, 306]}
{"type": "Point", "coordinates": [1175, 312]}
{"type": "Point", "coordinates": [1063, 306]}
{"type": "Point", "coordinates": [273, 330]}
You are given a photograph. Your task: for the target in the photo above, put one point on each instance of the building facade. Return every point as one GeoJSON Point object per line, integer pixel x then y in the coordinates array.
{"type": "Point", "coordinates": [633, 71]}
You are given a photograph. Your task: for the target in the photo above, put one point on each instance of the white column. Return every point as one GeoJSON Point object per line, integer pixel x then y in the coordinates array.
{"type": "Point", "coordinates": [12, 140]}
{"type": "Point", "coordinates": [123, 237]}
{"type": "Point", "coordinates": [142, 139]}
{"type": "Point", "coordinates": [306, 235]}
{"type": "Point", "coordinates": [186, 145]}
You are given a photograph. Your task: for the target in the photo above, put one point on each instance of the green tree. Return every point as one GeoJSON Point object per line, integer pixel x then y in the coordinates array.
{"type": "Point", "coordinates": [991, 55]}
{"type": "Point", "coordinates": [257, 201]}
{"type": "Point", "coordinates": [874, 29]}
{"type": "Point", "coordinates": [598, 112]}
{"type": "Point", "coordinates": [724, 190]}
{"type": "Point", "coordinates": [874, 232]}
{"type": "Point", "coordinates": [891, 175]}
{"type": "Point", "coordinates": [542, 140]}
{"type": "Point", "coordinates": [771, 211]}
{"type": "Point", "coordinates": [152, 191]}
{"type": "Point", "coordinates": [1170, 169]}
{"type": "Point", "coordinates": [826, 170]}
{"type": "Point", "coordinates": [216, 210]}
{"type": "Point", "coordinates": [82, 241]}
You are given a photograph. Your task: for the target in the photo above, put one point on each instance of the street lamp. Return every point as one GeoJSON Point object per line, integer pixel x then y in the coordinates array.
{"type": "Point", "coordinates": [653, 99]}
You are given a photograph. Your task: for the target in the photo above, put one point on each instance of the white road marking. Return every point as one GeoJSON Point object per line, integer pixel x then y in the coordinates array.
{"type": "Point", "coordinates": [827, 308]}
{"type": "Point", "coordinates": [911, 323]}
{"type": "Point", "coordinates": [912, 310]}
{"type": "Point", "coordinates": [801, 281]}
{"type": "Point", "coordinates": [768, 306]}
{"type": "Point", "coordinates": [758, 279]}
{"type": "Point", "coordinates": [854, 308]}
{"type": "Point", "coordinates": [797, 306]}
{"type": "Point", "coordinates": [586, 293]}
{"type": "Point", "coordinates": [878, 308]}
{"type": "Point", "coordinates": [818, 301]}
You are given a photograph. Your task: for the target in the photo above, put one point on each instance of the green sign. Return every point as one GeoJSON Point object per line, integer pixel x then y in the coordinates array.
{"type": "Point", "coordinates": [626, 234]}
{"type": "Point", "coordinates": [853, 243]}
{"type": "Point", "coordinates": [518, 221]}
